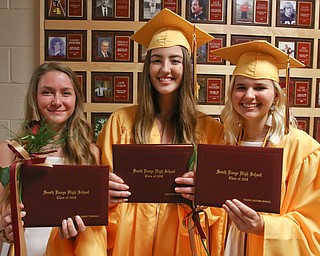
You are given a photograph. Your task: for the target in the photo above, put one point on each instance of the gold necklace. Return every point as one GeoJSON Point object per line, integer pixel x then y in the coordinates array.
{"type": "Point", "coordinates": [264, 142]}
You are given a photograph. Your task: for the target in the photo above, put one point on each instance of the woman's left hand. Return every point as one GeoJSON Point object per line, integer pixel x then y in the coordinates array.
{"type": "Point", "coordinates": [186, 191]}
{"type": "Point", "coordinates": [246, 219]}
{"type": "Point", "coordinates": [68, 229]}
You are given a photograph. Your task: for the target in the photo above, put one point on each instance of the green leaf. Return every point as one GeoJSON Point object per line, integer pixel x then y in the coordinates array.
{"type": "Point", "coordinates": [4, 176]}
{"type": "Point", "coordinates": [193, 159]}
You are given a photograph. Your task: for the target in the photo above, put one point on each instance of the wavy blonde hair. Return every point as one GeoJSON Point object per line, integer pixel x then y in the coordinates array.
{"type": "Point", "coordinates": [233, 122]}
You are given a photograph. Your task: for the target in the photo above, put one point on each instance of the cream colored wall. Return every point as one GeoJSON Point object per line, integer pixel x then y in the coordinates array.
{"type": "Point", "coordinates": [19, 55]}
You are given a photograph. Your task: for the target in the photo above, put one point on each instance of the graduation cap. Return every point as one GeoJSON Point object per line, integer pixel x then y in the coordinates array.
{"type": "Point", "coordinates": [168, 29]}
{"type": "Point", "coordinates": [260, 60]}
{"type": "Point", "coordinates": [257, 59]}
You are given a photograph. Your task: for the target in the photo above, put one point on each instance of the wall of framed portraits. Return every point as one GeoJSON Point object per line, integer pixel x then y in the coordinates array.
{"type": "Point", "coordinates": [93, 38]}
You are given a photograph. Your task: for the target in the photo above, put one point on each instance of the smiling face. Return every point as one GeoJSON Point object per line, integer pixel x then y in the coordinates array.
{"type": "Point", "coordinates": [56, 97]}
{"type": "Point", "coordinates": [105, 46]}
{"type": "Point", "coordinates": [195, 7]}
{"type": "Point", "coordinates": [253, 98]}
{"type": "Point", "coordinates": [166, 69]}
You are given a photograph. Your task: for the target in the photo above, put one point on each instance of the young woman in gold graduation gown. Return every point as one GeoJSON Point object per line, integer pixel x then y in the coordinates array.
{"type": "Point", "coordinates": [255, 115]}
{"type": "Point", "coordinates": [166, 113]}
{"type": "Point", "coordinates": [54, 95]}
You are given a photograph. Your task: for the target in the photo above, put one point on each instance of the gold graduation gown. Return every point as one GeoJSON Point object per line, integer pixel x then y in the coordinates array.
{"type": "Point", "coordinates": [296, 230]}
{"type": "Point", "coordinates": [91, 242]}
{"type": "Point", "coordinates": [149, 228]}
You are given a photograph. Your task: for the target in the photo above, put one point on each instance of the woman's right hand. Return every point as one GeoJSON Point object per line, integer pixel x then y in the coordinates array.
{"type": "Point", "coordinates": [6, 228]}
{"type": "Point", "coordinates": [118, 190]}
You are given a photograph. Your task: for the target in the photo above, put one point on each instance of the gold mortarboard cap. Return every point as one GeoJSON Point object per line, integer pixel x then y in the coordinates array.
{"type": "Point", "coordinates": [257, 59]}
{"type": "Point", "coordinates": [169, 29]}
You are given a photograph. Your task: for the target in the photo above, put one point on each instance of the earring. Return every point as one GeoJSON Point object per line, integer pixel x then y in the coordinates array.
{"type": "Point", "coordinates": [270, 117]}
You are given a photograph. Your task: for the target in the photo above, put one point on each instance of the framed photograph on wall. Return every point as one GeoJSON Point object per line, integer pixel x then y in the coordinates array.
{"type": "Point", "coordinates": [303, 123]}
{"type": "Point", "coordinates": [82, 77]}
{"type": "Point", "coordinates": [237, 39]}
{"type": "Point", "coordinates": [212, 89]}
{"type": "Point", "coordinates": [219, 41]}
{"type": "Point", "coordinates": [318, 57]}
{"type": "Point", "coordinates": [97, 122]}
{"type": "Point", "coordinates": [65, 9]}
{"type": "Point", "coordinates": [299, 48]}
{"type": "Point", "coordinates": [317, 103]}
{"type": "Point", "coordinates": [251, 12]}
{"type": "Point", "coordinates": [316, 129]}
{"type": "Point", "coordinates": [206, 11]}
{"type": "Point", "coordinates": [149, 8]}
{"type": "Point", "coordinates": [112, 46]}
{"type": "Point", "coordinates": [142, 52]}
{"type": "Point", "coordinates": [299, 92]}
{"type": "Point", "coordinates": [113, 10]}
{"type": "Point", "coordinates": [65, 45]}
{"type": "Point", "coordinates": [295, 13]}
{"type": "Point", "coordinates": [108, 87]}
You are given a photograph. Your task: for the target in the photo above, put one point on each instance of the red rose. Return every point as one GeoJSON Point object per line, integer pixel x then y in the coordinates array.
{"type": "Point", "coordinates": [34, 127]}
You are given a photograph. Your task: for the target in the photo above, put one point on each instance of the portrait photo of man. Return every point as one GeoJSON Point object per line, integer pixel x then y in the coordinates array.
{"type": "Point", "coordinates": [198, 10]}
{"type": "Point", "coordinates": [105, 49]}
{"type": "Point", "coordinates": [104, 8]}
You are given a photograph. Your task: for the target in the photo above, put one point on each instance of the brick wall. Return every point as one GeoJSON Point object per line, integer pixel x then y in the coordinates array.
{"type": "Point", "coordinates": [19, 55]}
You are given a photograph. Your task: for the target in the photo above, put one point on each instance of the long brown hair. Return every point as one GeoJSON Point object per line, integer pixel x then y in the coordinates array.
{"type": "Point", "coordinates": [79, 134]}
{"type": "Point", "coordinates": [184, 119]}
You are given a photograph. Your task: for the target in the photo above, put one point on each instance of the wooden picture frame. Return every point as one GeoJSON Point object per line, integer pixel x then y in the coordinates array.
{"type": "Point", "coordinates": [303, 123]}
{"type": "Point", "coordinates": [113, 10]}
{"type": "Point", "coordinates": [65, 9]}
{"type": "Point", "coordinates": [213, 11]}
{"type": "Point", "coordinates": [316, 129]}
{"type": "Point", "coordinates": [142, 53]}
{"type": "Point", "coordinates": [82, 77]}
{"type": "Point", "coordinates": [299, 91]}
{"type": "Point", "coordinates": [212, 89]}
{"type": "Point", "coordinates": [65, 45]}
{"type": "Point", "coordinates": [295, 13]}
{"type": "Point", "coordinates": [237, 39]}
{"type": "Point", "coordinates": [318, 56]}
{"type": "Point", "coordinates": [120, 46]}
{"type": "Point", "coordinates": [111, 87]}
{"type": "Point", "coordinates": [150, 8]}
{"type": "Point", "coordinates": [98, 120]}
{"type": "Point", "coordinates": [251, 12]}
{"type": "Point", "coordinates": [299, 48]}
{"type": "Point", "coordinates": [317, 101]}
{"type": "Point", "coordinates": [219, 41]}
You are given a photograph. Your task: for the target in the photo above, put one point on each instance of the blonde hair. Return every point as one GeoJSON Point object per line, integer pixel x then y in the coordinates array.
{"type": "Point", "coordinates": [233, 122]}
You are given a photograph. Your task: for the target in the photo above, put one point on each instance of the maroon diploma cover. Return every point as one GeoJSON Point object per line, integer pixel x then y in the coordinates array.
{"type": "Point", "coordinates": [51, 194]}
{"type": "Point", "coordinates": [150, 170]}
{"type": "Point", "coordinates": [249, 174]}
